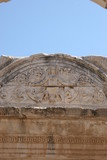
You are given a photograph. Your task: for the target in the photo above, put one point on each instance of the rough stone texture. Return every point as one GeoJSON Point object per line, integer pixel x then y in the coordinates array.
{"type": "Point", "coordinates": [53, 107]}
{"type": "Point", "coordinates": [98, 61]}
{"type": "Point", "coordinates": [102, 3]}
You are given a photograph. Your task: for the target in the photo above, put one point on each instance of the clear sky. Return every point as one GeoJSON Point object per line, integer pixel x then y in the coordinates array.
{"type": "Point", "coordinates": [76, 27]}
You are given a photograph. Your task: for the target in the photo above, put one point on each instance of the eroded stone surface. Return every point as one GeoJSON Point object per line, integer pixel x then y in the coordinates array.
{"type": "Point", "coordinates": [52, 81]}
{"type": "Point", "coordinates": [100, 62]}
{"type": "Point", "coordinates": [53, 107]}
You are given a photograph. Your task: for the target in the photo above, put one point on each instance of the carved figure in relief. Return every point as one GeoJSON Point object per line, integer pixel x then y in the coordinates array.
{"type": "Point", "coordinates": [52, 95]}
{"type": "Point", "coordinates": [84, 80]}
{"type": "Point", "coordinates": [36, 75]}
{"type": "Point", "coordinates": [52, 76]}
{"type": "Point", "coordinates": [98, 96]}
{"type": "Point", "coordinates": [44, 95]}
{"type": "Point", "coordinates": [70, 94]}
{"type": "Point", "coordinates": [21, 78]}
{"type": "Point", "coordinates": [52, 85]}
{"type": "Point", "coordinates": [84, 95]}
{"type": "Point", "coordinates": [68, 76]}
{"type": "Point", "coordinates": [35, 94]}
{"type": "Point", "coordinates": [91, 95]}
{"type": "Point", "coordinates": [18, 94]}
{"type": "Point", "coordinates": [52, 71]}
{"type": "Point", "coordinates": [31, 76]}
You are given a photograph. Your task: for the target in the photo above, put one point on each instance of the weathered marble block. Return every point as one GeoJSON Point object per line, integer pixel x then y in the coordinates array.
{"type": "Point", "coordinates": [53, 107]}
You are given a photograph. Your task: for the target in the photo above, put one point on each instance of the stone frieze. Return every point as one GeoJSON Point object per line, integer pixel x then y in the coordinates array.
{"type": "Point", "coordinates": [50, 82]}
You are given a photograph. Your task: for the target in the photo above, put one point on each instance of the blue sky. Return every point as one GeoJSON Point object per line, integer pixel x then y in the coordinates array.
{"type": "Point", "coordinates": [76, 27]}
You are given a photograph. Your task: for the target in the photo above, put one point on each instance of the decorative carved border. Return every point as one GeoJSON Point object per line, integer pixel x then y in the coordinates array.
{"type": "Point", "coordinates": [53, 139]}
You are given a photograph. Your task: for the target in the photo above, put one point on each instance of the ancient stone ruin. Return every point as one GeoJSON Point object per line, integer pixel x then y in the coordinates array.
{"type": "Point", "coordinates": [53, 107]}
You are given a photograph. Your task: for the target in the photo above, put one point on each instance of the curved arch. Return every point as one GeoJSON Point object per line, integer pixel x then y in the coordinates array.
{"type": "Point", "coordinates": [35, 58]}
{"type": "Point", "coordinates": [59, 80]}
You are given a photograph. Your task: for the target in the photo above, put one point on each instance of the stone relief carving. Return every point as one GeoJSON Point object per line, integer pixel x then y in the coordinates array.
{"type": "Point", "coordinates": [70, 94]}
{"type": "Point", "coordinates": [52, 76]}
{"type": "Point", "coordinates": [18, 94]}
{"type": "Point", "coordinates": [52, 85]}
{"type": "Point", "coordinates": [36, 75]}
{"type": "Point", "coordinates": [31, 76]}
{"type": "Point", "coordinates": [46, 95]}
{"type": "Point", "coordinates": [84, 80]}
{"type": "Point", "coordinates": [57, 95]}
{"type": "Point", "coordinates": [53, 95]}
{"type": "Point", "coordinates": [35, 94]}
{"type": "Point", "coordinates": [21, 78]}
{"type": "Point", "coordinates": [68, 76]}
{"type": "Point", "coordinates": [57, 140]}
{"type": "Point", "coordinates": [90, 95]}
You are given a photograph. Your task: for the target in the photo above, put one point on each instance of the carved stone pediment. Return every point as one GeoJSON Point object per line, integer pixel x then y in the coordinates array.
{"type": "Point", "coordinates": [52, 81]}
{"type": "Point", "coordinates": [53, 107]}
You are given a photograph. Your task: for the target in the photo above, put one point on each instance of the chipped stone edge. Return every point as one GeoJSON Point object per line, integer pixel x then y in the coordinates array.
{"type": "Point", "coordinates": [12, 62]}
{"type": "Point", "coordinates": [15, 62]}
{"type": "Point", "coordinates": [52, 112]}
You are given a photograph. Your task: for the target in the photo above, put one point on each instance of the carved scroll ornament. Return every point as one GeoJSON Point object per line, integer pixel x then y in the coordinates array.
{"type": "Point", "coordinates": [52, 85]}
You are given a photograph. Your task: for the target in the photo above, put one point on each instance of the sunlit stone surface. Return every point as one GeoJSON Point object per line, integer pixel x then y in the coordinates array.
{"type": "Point", "coordinates": [53, 107]}
{"type": "Point", "coordinates": [102, 3]}
{"type": "Point", "coordinates": [4, 1]}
